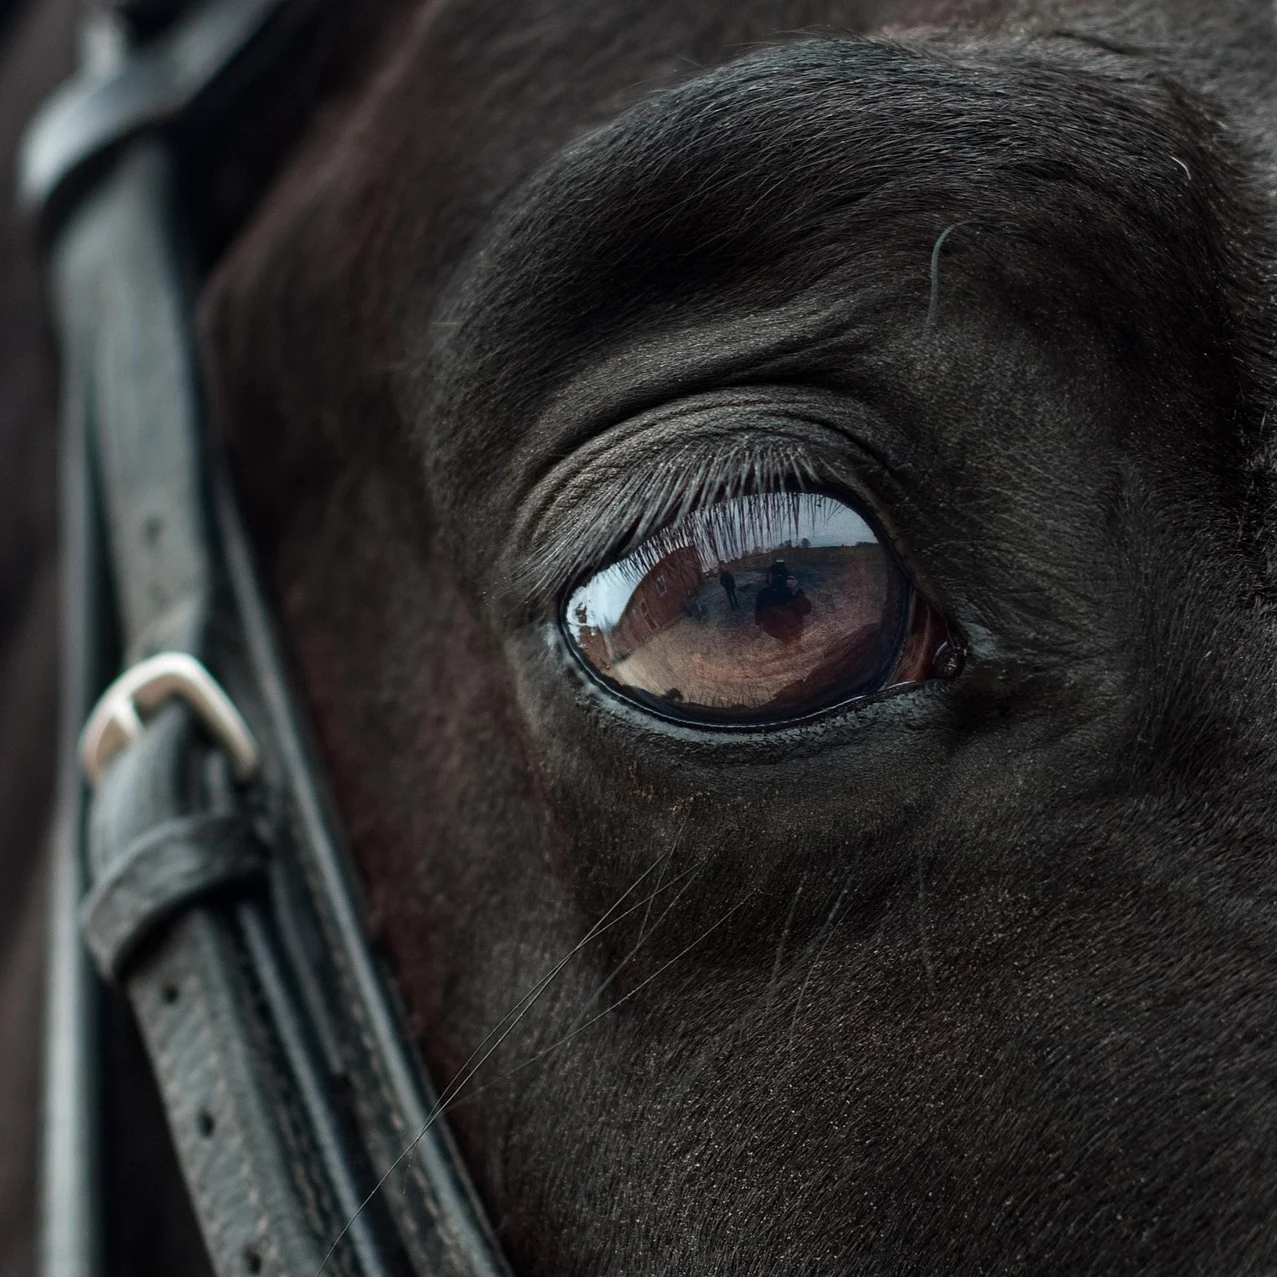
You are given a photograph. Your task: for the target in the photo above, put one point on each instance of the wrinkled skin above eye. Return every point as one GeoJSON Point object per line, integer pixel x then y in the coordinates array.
{"type": "Point", "coordinates": [757, 609]}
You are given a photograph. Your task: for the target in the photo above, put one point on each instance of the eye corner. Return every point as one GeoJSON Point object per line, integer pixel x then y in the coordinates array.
{"type": "Point", "coordinates": [948, 660]}
{"type": "Point", "coordinates": [933, 650]}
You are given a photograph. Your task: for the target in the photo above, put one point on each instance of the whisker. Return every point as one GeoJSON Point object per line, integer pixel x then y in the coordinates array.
{"type": "Point", "coordinates": [526, 1002]}
{"type": "Point", "coordinates": [923, 944]}
{"type": "Point", "coordinates": [643, 936]}
{"type": "Point", "coordinates": [934, 303]}
{"type": "Point", "coordinates": [780, 948]}
{"type": "Point", "coordinates": [567, 1037]}
{"type": "Point", "coordinates": [521, 1007]}
{"type": "Point", "coordinates": [826, 931]}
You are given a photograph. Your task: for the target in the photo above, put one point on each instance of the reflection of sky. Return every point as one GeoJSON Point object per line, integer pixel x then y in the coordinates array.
{"type": "Point", "coordinates": [739, 528]}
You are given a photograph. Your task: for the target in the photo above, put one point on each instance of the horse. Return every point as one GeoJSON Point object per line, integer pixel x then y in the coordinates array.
{"type": "Point", "coordinates": [967, 978]}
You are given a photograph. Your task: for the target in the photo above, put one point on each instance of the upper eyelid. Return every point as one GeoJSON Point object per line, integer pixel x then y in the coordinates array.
{"type": "Point", "coordinates": [613, 491]}
{"type": "Point", "coordinates": [638, 501]}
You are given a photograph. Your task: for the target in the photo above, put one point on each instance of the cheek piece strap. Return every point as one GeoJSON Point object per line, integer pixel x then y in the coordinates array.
{"type": "Point", "coordinates": [198, 869]}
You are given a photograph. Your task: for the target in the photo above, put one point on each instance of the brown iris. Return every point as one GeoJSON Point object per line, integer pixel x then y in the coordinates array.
{"type": "Point", "coordinates": [757, 609]}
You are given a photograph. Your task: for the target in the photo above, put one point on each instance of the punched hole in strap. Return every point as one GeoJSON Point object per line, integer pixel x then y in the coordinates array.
{"type": "Point", "coordinates": [118, 718]}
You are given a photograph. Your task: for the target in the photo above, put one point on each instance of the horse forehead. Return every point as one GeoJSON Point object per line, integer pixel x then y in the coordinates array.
{"type": "Point", "coordinates": [621, 272]}
{"type": "Point", "coordinates": [376, 221]}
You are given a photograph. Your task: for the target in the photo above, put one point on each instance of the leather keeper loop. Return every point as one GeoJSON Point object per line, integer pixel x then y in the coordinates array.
{"type": "Point", "coordinates": [165, 869]}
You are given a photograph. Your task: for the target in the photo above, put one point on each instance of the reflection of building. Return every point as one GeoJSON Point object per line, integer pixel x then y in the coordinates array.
{"type": "Point", "coordinates": [589, 638]}
{"type": "Point", "coordinates": [668, 591]}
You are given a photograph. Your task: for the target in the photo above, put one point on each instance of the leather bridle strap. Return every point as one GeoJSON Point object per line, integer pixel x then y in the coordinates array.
{"type": "Point", "coordinates": [205, 864]}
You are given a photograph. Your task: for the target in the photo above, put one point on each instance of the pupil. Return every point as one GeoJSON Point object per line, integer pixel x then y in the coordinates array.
{"type": "Point", "coordinates": [764, 607]}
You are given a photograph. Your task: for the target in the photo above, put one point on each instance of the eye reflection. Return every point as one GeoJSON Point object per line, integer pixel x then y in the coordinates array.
{"type": "Point", "coordinates": [760, 608]}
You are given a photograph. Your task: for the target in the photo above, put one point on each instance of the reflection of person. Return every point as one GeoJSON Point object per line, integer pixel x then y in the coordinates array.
{"type": "Point", "coordinates": [728, 582]}
{"type": "Point", "coordinates": [781, 605]}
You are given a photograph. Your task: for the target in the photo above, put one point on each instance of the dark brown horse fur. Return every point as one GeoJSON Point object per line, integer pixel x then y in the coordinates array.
{"type": "Point", "coordinates": [981, 979]}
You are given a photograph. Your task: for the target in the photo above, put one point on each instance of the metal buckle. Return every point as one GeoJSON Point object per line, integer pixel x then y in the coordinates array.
{"type": "Point", "coordinates": [117, 718]}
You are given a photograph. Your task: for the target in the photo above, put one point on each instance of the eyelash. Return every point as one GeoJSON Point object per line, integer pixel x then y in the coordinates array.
{"type": "Point", "coordinates": [612, 520]}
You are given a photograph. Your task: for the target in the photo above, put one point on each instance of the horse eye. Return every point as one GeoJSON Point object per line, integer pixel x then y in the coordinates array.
{"type": "Point", "coordinates": [757, 609]}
